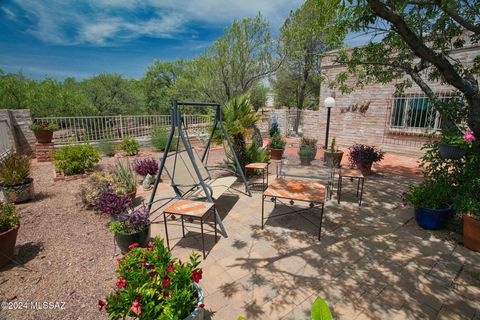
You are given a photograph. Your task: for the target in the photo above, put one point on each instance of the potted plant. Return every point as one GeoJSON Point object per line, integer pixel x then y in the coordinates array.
{"type": "Point", "coordinates": [147, 169]}
{"type": "Point", "coordinates": [333, 156]}
{"type": "Point", "coordinates": [306, 156]}
{"type": "Point", "coordinates": [454, 147]}
{"type": "Point", "coordinates": [131, 226]}
{"type": "Point", "coordinates": [153, 285]}
{"type": "Point", "coordinates": [9, 224]}
{"type": "Point", "coordinates": [15, 178]}
{"type": "Point", "coordinates": [277, 146]}
{"type": "Point", "coordinates": [432, 203]}
{"type": "Point", "coordinates": [113, 204]}
{"type": "Point", "coordinates": [308, 143]}
{"type": "Point", "coordinates": [363, 156]}
{"type": "Point", "coordinates": [126, 178]}
{"type": "Point", "coordinates": [43, 130]}
{"type": "Point", "coordinates": [467, 201]}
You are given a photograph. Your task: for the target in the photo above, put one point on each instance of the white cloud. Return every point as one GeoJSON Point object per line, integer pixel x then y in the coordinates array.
{"type": "Point", "coordinates": [105, 22]}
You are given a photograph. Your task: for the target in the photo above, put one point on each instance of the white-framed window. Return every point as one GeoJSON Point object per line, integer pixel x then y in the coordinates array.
{"type": "Point", "coordinates": [415, 113]}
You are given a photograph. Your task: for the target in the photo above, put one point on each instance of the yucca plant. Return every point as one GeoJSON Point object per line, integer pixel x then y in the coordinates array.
{"type": "Point", "coordinates": [126, 176]}
{"type": "Point", "coordinates": [239, 116]}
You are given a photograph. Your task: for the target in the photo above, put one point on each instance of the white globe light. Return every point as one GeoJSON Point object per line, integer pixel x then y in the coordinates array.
{"type": "Point", "coordinates": [329, 102]}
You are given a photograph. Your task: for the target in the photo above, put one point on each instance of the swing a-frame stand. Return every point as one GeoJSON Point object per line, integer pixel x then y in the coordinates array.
{"type": "Point", "coordinates": [195, 167]}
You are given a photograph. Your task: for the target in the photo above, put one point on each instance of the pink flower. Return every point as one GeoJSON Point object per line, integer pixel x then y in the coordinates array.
{"type": "Point", "coordinates": [136, 308]}
{"type": "Point", "coordinates": [101, 304]}
{"type": "Point", "coordinates": [468, 136]}
{"type": "Point", "coordinates": [133, 245]}
{"type": "Point", "coordinates": [170, 267]}
{"type": "Point", "coordinates": [151, 244]}
{"type": "Point", "coordinates": [121, 283]}
{"type": "Point", "coordinates": [144, 263]}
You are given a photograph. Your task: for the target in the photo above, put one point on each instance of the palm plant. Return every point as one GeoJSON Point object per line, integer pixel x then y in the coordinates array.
{"type": "Point", "coordinates": [239, 116]}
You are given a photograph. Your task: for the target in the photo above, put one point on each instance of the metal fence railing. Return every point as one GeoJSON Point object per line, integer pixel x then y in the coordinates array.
{"type": "Point", "coordinates": [96, 128]}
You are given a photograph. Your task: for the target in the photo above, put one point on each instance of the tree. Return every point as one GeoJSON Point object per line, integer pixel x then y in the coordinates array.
{"type": "Point", "coordinates": [159, 84]}
{"type": "Point", "coordinates": [111, 94]}
{"type": "Point", "coordinates": [237, 61]}
{"type": "Point", "coordinates": [306, 34]}
{"type": "Point", "coordinates": [417, 39]}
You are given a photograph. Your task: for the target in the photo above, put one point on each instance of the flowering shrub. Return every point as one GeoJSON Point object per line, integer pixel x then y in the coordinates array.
{"type": "Point", "coordinates": [364, 155]}
{"type": "Point", "coordinates": [153, 285]}
{"type": "Point", "coordinates": [133, 221]}
{"type": "Point", "coordinates": [112, 203]}
{"type": "Point", "coordinates": [145, 166]}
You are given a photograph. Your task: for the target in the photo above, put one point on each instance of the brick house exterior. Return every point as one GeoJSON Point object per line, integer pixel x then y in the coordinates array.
{"type": "Point", "coordinates": [367, 114]}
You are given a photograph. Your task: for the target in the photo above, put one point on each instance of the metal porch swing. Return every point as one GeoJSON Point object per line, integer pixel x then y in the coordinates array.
{"type": "Point", "coordinates": [187, 171]}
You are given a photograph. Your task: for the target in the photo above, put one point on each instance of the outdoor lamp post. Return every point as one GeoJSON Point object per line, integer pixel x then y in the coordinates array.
{"type": "Point", "coordinates": [329, 104]}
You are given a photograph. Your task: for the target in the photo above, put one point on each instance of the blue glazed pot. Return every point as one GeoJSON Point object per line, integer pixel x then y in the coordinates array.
{"type": "Point", "coordinates": [432, 219]}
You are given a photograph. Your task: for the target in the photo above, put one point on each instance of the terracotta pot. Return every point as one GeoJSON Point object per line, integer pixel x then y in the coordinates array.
{"type": "Point", "coordinates": [132, 195]}
{"type": "Point", "coordinates": [276, 154]}
{"type": "Point", "coordinates": [20, 192]}
{"type": "Point", "coordinates": [333, 158]}
{"type": "Point", "coordinates": [471, 233]}
{"type": "Point", "coordinates": [7, 245]}
{"type": "Point", "coordinates": [43, 136]}
{"type": "Point", "coordinates": [366, 169]}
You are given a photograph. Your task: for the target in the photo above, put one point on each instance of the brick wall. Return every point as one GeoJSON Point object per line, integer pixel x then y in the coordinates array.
{"type": "Point", "coordinates": [369, 123]}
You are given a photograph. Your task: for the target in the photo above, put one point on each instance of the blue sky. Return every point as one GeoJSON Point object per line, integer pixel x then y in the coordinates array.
{"type": "Point", "coordinates": [82, 38]}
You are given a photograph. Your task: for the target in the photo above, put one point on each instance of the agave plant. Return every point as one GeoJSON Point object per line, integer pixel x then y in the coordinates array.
{"type": "Point", "coordinates": [239, 116]}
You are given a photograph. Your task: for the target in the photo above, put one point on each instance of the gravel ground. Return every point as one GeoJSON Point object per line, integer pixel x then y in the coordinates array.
{"type": "Point", "coordinates": [64, 253]}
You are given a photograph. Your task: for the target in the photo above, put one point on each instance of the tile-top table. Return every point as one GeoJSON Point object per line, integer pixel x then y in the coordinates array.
{"type": "Point", "coordinates": [191, 209]}
{"type": "Point", "coordinates": [303, 190]}
{"type": "Point", "coordinates": [260, 166]}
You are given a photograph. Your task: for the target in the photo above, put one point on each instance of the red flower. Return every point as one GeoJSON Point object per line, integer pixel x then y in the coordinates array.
{"type": "Point", "coordinates": [170, 267]}
{"type": "Point", "coordinates": [151, 244]}
{"type": "Point", "coordinates": [138, 297]}
{"type": "Point", "coordinates": [197, 275]}
{"type": "Point", "coordinates": [101, 304]}
{"type": "Point", "coordinates": [121, 283]}
{"type": "Point", "coordinates": [133, 245]}
{"type": "Point", "coordinates": [165, 294]}
{"type": "Point", "coordinates": [166, 281]}
{"type": "Point", "coordinates": [159, 257]}
{"type": "Point", "coordinates": [144, 263]}
{"type": "Point", "coordinates": [201, 305]}
{"type": "Point", "coordinates": [136, 308]}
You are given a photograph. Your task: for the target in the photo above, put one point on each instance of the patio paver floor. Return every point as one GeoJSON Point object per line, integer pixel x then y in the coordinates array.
{"type": "Point", "coordinates": [373, 262]}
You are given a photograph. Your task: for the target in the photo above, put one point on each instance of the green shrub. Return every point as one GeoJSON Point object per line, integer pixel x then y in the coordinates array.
{"type": "Point", "coordinates": [8, 216]}
{"type": "Point", "coordinates": [159, 139]}
{"type": "Point", "coordinates": [14, 169]}
{"type": "Point", "coordinates": [430, 194]}
{"type": "Point", "coordinates": [107, 148]}
{"type": "Point", "coordinates": [130, 145]}
{"type": "Point", "coordinates": [75, 159]}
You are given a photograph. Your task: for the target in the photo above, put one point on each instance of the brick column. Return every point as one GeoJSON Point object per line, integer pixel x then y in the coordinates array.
{"type": "Point", "coordinates": [44, 151]}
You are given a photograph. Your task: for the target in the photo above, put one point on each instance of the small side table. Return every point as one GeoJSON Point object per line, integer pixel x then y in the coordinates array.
{"type": "Point", "coordinates": [260, 166]}
{"type": "Point", "coordinates": [352, 174]}
{"type": "Point", "coordinates": [192, 210]}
